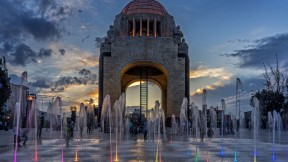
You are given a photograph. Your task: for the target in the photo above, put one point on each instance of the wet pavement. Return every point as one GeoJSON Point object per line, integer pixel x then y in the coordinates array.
{"type": "Point", "coordinates": [97, 147]}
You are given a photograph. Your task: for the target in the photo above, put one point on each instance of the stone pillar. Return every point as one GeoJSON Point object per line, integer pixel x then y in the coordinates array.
{"type": "Point", "coordinates": [140, 27]}
{"type": "Point", "coordinates": [133, 27]}
{"type": "Point", "coordinates": [148, 31]}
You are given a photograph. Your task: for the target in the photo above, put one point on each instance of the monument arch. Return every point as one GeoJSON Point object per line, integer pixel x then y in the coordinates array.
{"type": "Point", "coordinates": [144, 43]}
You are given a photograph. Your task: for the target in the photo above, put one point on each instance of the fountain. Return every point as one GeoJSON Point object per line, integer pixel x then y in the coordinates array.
{"type": "Point", "coordinates": [174, 125]}
{"type": "Point", "coordinates": [154, 146]}
{"type": "Point", "coordinates": [204, 112]}
{"type": "Point", "coordinates": [274, 123]}
{"type": "Point", "coordinates": [223, 106]}
{"type": "Point", "coordinates": [184, 124]}
{"type": "Point", "coordinates": [279, 125]}
{"type": "Point", "coordinates": [162, 123]}
{"type": "Point", "coordinates": [150, 124]}
{"type": "Point", "coordinates": [106, 121]}
{"type": "Point", "coordinates": [57, 109]}
{"type": "Point", "coordinates": [33, 114]}
{"type": "Point", "coordinates": [122, 113]}
{"type": "Point", "coordinates": [256, 123]}
{"type": "Point", "coordinates": [118, 121]}
{"type": "Point", "coordinates": [195, 120]}
{"type": "Point", "coordinates": [82, 119]}
{"type": "Point", "coordinates": [16, 129]}
{"type": "Point", "coordinates": [213, 118]}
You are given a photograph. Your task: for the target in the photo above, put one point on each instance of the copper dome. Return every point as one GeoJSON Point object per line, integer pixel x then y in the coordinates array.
{"type": "Point", "coordinates": [144, 7]}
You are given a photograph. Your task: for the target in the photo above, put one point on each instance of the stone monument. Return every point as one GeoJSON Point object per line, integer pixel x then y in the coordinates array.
{"type": "Point", "coordinates": [144, 42]}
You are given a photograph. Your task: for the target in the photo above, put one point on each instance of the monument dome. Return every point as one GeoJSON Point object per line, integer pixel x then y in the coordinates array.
{"type": "Point", "coordinates": [144, 7]}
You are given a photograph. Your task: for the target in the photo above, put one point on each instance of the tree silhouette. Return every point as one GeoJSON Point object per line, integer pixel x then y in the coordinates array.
{"type": "Point", "coordinates": [5, 89]}
{"type": "Point", "coordinates": [272, 97]}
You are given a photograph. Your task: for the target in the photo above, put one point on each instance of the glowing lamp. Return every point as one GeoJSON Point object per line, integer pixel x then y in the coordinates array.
{"type": "Point", "coordinates": [73, 108]}
{"type": "Point", "coordinates": [30, 97]}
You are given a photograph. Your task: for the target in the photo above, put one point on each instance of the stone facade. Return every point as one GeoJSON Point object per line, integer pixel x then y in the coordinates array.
{"type": "Point", "coordinates": [165, 50]}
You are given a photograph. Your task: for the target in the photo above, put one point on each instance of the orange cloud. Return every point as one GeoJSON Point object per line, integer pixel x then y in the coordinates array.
{"type": "Point", "coordinates": [220, 74]}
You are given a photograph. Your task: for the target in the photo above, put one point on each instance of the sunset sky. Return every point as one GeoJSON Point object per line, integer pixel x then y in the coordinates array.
{"type": "Point", "coordinates": [54, 41]}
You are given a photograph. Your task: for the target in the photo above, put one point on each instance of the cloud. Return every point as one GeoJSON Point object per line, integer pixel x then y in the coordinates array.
{"type": "Point", "coordinates": [21, 19]}
{"type": "Point", "coordinates": [262, 51]}
{"type": "Point", "coordinates": [22, 54]}
{"type": "Point", "coordinates": [65, 82]}
{"type": "Point", "coordinates": [45, 52]}
{"type": "Point", "coordinates": [40, 28]}
{"type": "Point", "coordinates": [40, 84]}
{"type": "Point", "coordinates": [214, 96]}
{"type": "Point", "coordinates": [86, 77]}
{"type": "Point", "coordinates": [239, 41]}
{"type": "Point", "coordinates": [209, 78]}
{"type": "Point", "coordinates": [72, 59]}
{"type": "Point", "coordinates": [62, 51]}
{"type": "Point", "coordinates": [210, 72]}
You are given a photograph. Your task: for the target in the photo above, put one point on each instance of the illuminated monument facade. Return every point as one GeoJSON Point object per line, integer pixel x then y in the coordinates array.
{"type": "Point", "coordinates": [144, 44]}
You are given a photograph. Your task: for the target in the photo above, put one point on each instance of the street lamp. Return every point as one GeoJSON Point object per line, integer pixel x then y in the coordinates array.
{"type": "Point", "coordinates": [73, 118]}
{"type": "Point", "coordinates": [29, 99]}
{"type": "Point", "coordinates": [73, 113]}
{"type": "Point", "coordinates": [73, 108]}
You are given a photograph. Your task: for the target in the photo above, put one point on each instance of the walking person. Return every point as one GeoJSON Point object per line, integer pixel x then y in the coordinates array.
{"type": "Point", "coordinates": [210, 132]}
{"type": "Point", "coordinates": [25, 135]}
{"type": "Point", "coordinates": [88, 128]}
{"type": "Point", "coordinates": [17, 140]}
{"type": "Point", "coordinates": [202, 134]}
{"type": "Point", "coordinates": [40, 126]}
{"type": "Point", "coordinates": [81, 130]}
{"type": "Point", "coordinates": [71, 128]}
{"type": "Point", "coordinates": [6, 126]}
{"type": "Point", "coordinates": [67, 133]}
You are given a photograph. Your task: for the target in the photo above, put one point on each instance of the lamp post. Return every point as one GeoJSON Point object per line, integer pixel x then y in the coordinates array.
{"type": "Point", "coordinates": [73, 118]}
{"type": "Point", "coordinates": [73, 113]}
{"type": "Point", "coordinates": [29, 99]}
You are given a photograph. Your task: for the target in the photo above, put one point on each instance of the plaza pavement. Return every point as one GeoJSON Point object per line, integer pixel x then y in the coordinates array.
{"type": "Point", "coordinates": [95, 147]}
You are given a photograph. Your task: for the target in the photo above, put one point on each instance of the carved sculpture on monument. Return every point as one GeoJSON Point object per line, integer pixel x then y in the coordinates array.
{"type": "Point", "coordinates": [178, 35]}
{"type": "Point", "coordinates": [183, 47]}
{"type": "Point", "coordinates": [106, 45]}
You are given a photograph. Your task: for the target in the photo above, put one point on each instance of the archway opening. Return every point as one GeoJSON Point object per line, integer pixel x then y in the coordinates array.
{"type": "Point", "coordinates": [133, 97]}
{"type": "Point", "coordinates": [141, 76]}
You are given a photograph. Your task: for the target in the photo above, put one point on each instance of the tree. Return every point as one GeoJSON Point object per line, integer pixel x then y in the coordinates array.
{"type": "Point", "coordinates": [270, 100]}
{"type": "Point", "coordinates": [275, 80]}
{"type": "Point", "coordinates": [272, 97]}
{"type": "Point", "coordinates": [5, 89]}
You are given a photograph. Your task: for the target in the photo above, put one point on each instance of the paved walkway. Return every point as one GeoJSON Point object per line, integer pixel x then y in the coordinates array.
{"type": "Point", "coordinates": [7, 137]}
{"type": "Point", "coordinates": [94, 148]}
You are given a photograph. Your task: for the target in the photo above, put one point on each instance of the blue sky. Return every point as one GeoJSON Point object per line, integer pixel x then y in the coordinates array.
{"type": "Point", "coordinates": [54, 41]}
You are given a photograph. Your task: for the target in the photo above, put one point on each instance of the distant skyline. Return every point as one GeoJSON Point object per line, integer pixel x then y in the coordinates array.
{"type": "Point", "coordinates": [54, 41]}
